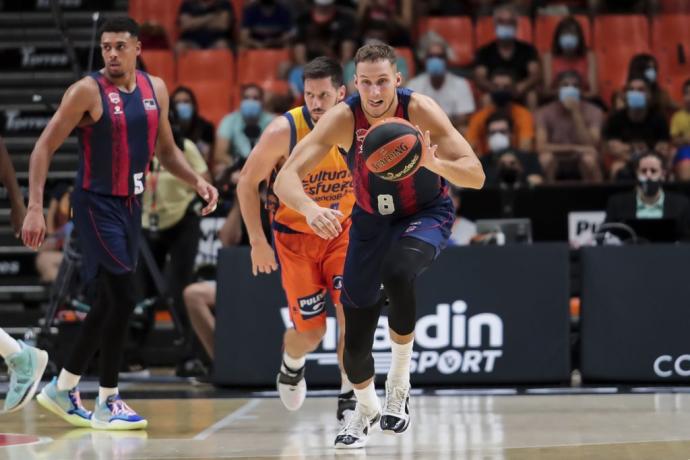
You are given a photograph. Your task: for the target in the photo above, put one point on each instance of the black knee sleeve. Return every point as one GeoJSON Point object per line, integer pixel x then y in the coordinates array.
{"type": "Point", "coordinates": [360, 326]}
{"type": "Point", "coordinates": [407, 258]}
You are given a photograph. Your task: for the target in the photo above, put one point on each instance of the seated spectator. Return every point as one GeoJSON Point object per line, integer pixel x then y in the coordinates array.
{"type": "Point", "coordinates": [569, 52]}
{"type": "Point", "coordinates": [239, 131]}
{"type": "Point", "coordinates": [266, 24]}
{"type": "Point", "coordinates": [505, 165]}
{"type": "Point", "coordinates": [194, 127]}
{"type": "Point", "coordinates": [58, 229]}
{"type": "Point", "coordinates": [452, 93]}
{"type": "Point", "coordinates": [680, 132]}
{"type": "Point", "coordinates": [205, 24]}
{"type": "Point", "coordinates": [649, 200]}
{"type": "Point", "coordinates": [325, 30]}
{"type": "Point", "coordinates": [395, 16]}
{"type": "Point", "coordinates": [646, 65]}
{"type": "Point", "coordinates": [633, 130]}
{"type": "Point", "coordinates": [152, 36]}
{"type": "Point", "coordinates": [502, 100]}
{"type": "Point", "coordinates": [569, 132]}
{"type": "Point", "coordinates": [507, 52]}
{"type": "Point", "coordinates": [463, 229]}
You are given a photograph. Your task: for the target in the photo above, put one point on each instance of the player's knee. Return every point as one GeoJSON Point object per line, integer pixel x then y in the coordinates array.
{"type": "Point", "coordinates": [313, 336]}
{"type": "Point", "coordinates": [191, 295]}
{"type": "Point", "coordinates": [358, 363]}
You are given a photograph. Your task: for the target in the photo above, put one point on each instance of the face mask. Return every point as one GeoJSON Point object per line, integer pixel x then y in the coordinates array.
{"type": "Point", "coordinates": [435, 66]}
{"type": "Point", "coordinates": [568, 92]}
{"type": "Point", "coordinates": [498, 142]}
{"type": "Point", "coordinates": [501, 97]}
{"type": "Point", "coordinates": [185, 110]}
{"type": "Point", "coordinates": [568, 41]}
{"type": "Point", "coordinates": [505, 32]}
{"type": "Point", "coordinates": [250, 109]}
{"type": "Point", "coordinates": [649, 187]}
{"type": "Point", "coordinates": [636, 99]}
{"type": "Point", "coordinates": [650, 74]}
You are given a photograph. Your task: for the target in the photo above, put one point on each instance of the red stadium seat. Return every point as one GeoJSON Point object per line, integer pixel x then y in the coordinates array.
{"type": "Point", "coordinates": [214, 98]}
{"type": "Point", "coordinates": [206, 65]}
{"type": "Point", "coordinates": [613, 30]}
{"type": "Point", "coordinates": [163, 12]}
{"type": "Point", "coordinates": [671, 47]}
{"type": "Point", "coordinates": [545, 26]}
{"type": "Point", "coordinates": [255, 66]}
{"type": "Point", "coordinates": [161, 63]}
{"type": "Point", "coordinates": [484, 32]}
{"type": "Point", "coordinates": [457, 31]}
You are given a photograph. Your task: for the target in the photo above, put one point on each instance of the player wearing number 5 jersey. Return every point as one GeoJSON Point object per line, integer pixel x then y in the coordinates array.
{"type": "Point", "coordinates": [121, 116]}
{"type": "Point", "coordinates": [398, 228]}
{"type": "Point", "coordinates": [310, 266]}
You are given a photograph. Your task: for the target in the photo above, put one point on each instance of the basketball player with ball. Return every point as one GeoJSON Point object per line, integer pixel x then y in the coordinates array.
{"type": "Point", "coordinates": [401, 220]}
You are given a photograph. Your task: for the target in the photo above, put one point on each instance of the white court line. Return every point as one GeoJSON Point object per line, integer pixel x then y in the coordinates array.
{"type": "Point", "coordinates": [229, 420]}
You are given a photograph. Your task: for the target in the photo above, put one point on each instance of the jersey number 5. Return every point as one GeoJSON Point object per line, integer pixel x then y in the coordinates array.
{"type": "Point", "coordinates": [386, 204]}
{"type": "Point", "coordinates": [138, 183]}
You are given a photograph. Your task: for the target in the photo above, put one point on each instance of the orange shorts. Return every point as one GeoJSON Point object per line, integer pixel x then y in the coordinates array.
{"type": "Point", "coordinates": [309, 267]}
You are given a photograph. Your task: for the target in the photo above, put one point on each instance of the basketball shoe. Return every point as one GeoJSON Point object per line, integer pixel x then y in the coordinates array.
{"type": "Point", "coordinates": [115, 414]}
{"type": "Point", "coordinates": [395, 416]}
{"type": "Point", "coordinates": [65, 404]}
{"type": "Point", "coordinates": [26, 368]}
{"type": "Point", "coordinates": [346, 404]}
{"type": "Point", "coordinates": [355, 432]}
{"type": "Point", "coordinates": [292, 387]}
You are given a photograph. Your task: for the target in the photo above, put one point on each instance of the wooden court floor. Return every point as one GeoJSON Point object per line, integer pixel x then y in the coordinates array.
{"type": "Point", "coordinates": [621, 426]}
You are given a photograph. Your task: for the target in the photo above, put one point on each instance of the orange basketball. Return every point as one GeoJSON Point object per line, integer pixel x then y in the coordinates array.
{"type": "Point", "coordinates": [392, 149]}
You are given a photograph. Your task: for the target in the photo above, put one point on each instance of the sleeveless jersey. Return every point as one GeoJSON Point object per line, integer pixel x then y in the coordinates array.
{"type": "Point", "coordinates": [114, 152]}
{"type": "Point", "coordinates": [329, 184]}
{"type": "Point", "coordinates": [381, 197]}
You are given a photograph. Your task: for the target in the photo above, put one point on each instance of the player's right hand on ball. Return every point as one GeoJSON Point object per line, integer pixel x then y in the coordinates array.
{"type": "Point", "coordinates": [34, 228]}
{"type": "Point", "coordinates": [324, 221]}
{"type": "Point", "coordinates": [263, 258]}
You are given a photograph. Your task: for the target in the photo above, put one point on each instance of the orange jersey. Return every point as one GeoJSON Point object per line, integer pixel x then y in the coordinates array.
{"type": "Point", "coordinates": [329, 184]}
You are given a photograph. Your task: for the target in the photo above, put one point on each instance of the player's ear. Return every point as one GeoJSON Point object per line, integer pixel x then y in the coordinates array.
{"type": "Point", "coordinates": [342, 91]}
{"type": "Point", "coordinates": [398, 79]}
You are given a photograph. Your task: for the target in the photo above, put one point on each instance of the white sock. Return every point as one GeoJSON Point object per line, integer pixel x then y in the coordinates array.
{"type": "Point", "coordinates": [345, 385]}
{"type": "Point", "coordinates": [367, 401]}
{"type": "Point", "coordinates": [399, 373]}
{"type": "Point", "coordinates": [67, 380]}
{"type": "Point", "coordinates": [293, 364]}
{"type": "Point", "coordinates": [104, 392]}
{"type": "Point", "coordinates": [8, 345]}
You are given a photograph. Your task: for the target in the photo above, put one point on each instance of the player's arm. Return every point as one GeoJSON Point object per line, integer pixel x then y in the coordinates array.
{"type": "Point", "coordinates": [172, 158]}
{"type": "Point", "coordinates": [334, 128]}
{"type": "Point", "coordinates": [81, 98]}
{"type": "Point", "coordinates": [268, 152]}
{"type": "Point", "coordinates": [451, 157]}
{"type": "Point", "coordinates": [14, 194]}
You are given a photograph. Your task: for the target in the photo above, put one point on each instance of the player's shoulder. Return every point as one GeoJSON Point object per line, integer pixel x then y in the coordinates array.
{"type": "Point", "coordinates": [422, 104]}
{"type": "Point", "coordinates": [278, 126]}
{"type": "Point", "coordinates": [81, 91]}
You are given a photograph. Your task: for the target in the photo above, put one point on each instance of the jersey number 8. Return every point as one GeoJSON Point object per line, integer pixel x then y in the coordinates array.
{"type": "Point", "coordinates": [386, 204]}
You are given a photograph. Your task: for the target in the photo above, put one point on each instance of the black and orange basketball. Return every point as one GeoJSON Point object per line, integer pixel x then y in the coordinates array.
{"type": "Point", "coordinates": [392, 149]}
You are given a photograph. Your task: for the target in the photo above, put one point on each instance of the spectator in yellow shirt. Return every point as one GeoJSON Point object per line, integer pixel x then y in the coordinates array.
{"type": "Point", "coordinates": [680, 133]}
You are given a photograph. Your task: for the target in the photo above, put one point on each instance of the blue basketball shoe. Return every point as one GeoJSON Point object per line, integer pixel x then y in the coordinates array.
{"type": "Point", "coordinates": [26, 369]}
{"type": "Point", "coordinates": [66, 404]}
{"type": "Point", "coordinates": [115, 414]}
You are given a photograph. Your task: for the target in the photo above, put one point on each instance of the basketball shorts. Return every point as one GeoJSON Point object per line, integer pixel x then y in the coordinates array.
{"type": "Point", "coordinates": [108, 230]}
{"type": "Point", "coordinates": [310, 267]}
{"type": "Point", "coordinates": [372, 236]}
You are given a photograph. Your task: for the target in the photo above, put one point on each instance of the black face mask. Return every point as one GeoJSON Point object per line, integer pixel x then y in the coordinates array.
{"type": "Point", "coordinates": [650, 187]}
{"type": "Point", "coordinates": [501, 97]}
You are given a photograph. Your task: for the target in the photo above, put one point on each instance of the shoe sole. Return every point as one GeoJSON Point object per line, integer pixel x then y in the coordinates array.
{"type": "Point", "coordinates": [118, 425]}
{"type": "Point", "coordinates": [359, 445]}
{"type": "Point", "coordinates": [53, 407]}
{"type": "Point", "coordinates": [42, 362]}
{"type": "Point", "coordinates": [393, 432]}
{"type": "Point", "coordinates": [291, 409]}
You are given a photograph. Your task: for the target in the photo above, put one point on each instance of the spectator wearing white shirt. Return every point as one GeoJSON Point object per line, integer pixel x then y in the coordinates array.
{"type": "Point", "coordinates": [450, 91]}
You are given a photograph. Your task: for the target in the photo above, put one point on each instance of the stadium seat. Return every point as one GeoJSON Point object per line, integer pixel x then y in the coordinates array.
{"type": "Point", "coordinates": [613, 30]}
{"type": "Point", "coordinates": [457, 31]}
{"type": "Point", "coordinates": [161, 63]}
{"type": "Point", "coordinates": [545, 26]}
{"type": "Point", "coordinates": [406, 54]}
{"type": "Point", "coordinates": [214, 98]}
{"type": "Point", "coordinates": [163, 12]}
{"type": "Point", "coordinates": [255, 66]}
{"type": "Point", "coordinates": [484, 31]}
{"type": "Point", "coordinates": [206, 65]}
{"type": "Point", "coordinates": [671, 47]}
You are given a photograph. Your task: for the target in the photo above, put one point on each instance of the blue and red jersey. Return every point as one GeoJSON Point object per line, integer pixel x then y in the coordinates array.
{"type": "Point", "coordinates": [114, 152]}
{"type": "Point", "coordinates": [381, 197]}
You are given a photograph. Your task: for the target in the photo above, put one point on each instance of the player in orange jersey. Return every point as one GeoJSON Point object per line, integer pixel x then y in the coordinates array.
{"type": "Point", "coordinates": [310, 265]}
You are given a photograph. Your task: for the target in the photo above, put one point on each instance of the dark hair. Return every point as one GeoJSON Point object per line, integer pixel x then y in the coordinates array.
{"type": "Point", "coordinates": [376, 52]}
{"type": "Point", "coordinates": [639, 63]}
{"type": "Point", "coordinates": [194, 129]}
{"type": "Point", "coordinates": [686, 85]}
{"type": "Point", "coordinates": [247, 86]}
{"type": "Point", "coordinates": [566, 22]}
{"type": "Point", "coordinates": [648, 153]}
{"type": "Point", "coordinates": [125, 24]}
{"type": "Point", "coordinates": [184, 89]}
{"type": "Point", "coordinates": [499, 115]}
{"type": "Point", "coordinates": [639, 76]}
{"type": "Point", "coordinates": [569, 74]}
{"type": "Point", "coordinates": [324, 67]}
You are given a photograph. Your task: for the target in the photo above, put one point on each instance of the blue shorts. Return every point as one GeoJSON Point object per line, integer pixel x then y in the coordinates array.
{"type": "Point", "coordinates": [372, 236]}
{"type": "Point", "coordinates": [108, 231]}
{"type": "Point", "coordinates": [682, 154]}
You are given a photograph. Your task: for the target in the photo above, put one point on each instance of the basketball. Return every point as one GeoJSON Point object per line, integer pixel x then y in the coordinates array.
{"type": "Point", "coordinates": [392, 149]}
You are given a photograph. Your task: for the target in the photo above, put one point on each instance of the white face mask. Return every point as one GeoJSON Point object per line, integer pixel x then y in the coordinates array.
{"type": "Point", "coordinates": [498, 142]}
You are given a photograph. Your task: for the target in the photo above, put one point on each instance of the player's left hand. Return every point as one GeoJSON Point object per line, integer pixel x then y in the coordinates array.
{"type": "Point", "coordinates": [17, 214]}
{"type": "Point", "coordinates": [428, 150]}
{"type": "Point", "coordinates": [210, 195]}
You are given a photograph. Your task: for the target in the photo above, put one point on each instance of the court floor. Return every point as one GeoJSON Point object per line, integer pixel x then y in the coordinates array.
{"type": "Point", "coordinates": [446, 426]}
